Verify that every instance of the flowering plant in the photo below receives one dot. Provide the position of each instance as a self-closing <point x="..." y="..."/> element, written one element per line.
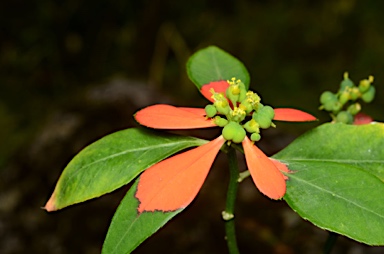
<point x="339" y="190"/>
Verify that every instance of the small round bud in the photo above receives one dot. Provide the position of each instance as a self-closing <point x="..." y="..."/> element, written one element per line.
<point x="210" y="110"/>
<point x="337" y="107"/>
<point x="255" y="137"/>
<point x="344" y="117"/>
<point x="369" y="95"/>
<point x="329" y="105"/>
<point x="327" y="97"/>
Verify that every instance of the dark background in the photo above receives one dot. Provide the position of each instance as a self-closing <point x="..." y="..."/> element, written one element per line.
<point x="74" y="71"/>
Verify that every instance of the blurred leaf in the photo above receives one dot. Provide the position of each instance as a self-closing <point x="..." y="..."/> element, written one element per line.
<point x="337" y="179"/>
<point x="112" y="162"/>
<point x="213" y="64"/>
<point x="129" y="228"/>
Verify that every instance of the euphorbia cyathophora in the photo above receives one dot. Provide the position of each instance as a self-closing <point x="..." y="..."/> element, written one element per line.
<point x="173" y="183"/>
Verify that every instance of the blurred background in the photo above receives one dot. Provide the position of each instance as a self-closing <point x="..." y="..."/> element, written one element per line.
<point x="73" y="71"/>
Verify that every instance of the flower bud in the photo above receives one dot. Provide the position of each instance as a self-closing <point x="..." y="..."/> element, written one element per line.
<point x="210" y="110"/>
<point x="327" y="97"/>
<point x="346" y="83"/>
<point x="344" y="117"/>
<point x="337" y="107"/>
<point x="255" y="137"/>
<point x="330" y="105"/>
<point x="369" y="95"/>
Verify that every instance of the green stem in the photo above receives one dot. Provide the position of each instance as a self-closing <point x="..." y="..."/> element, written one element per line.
<point x="331" y="240"/>
<point x="228" y="214"/>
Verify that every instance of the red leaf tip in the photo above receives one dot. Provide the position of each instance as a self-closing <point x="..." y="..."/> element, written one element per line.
<point x="50" y="205"/>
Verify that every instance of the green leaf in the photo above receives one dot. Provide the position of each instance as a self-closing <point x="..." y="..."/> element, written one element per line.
<point x="337" y="179"/>
<point x="129" y="229"/>
<point x="213" y="64"/>
<point x="112" y="162"/>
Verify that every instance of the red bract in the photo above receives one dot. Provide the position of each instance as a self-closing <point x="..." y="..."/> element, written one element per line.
<point x="173" y="183"/>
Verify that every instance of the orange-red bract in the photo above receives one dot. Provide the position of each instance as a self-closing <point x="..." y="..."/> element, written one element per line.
<point x="267" y="177"/>
<point x="162" y="116"/>
<point x="282" y="167"/>
<point x="292" y="115"/>
<point x="173" y="183"/>
<point x="218" y="86"/>
<point x="361" y="118"/>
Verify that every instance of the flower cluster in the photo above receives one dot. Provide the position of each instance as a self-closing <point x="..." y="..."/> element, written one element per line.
<point x="344" y="106"/>
<point x="173" y="183"/>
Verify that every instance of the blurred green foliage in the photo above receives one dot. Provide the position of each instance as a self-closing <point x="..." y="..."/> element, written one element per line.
<point x="51" y="50"/>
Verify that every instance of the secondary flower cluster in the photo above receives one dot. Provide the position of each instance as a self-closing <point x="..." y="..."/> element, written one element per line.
<point x="344" y="106"/>
<point x="173" y="183"/>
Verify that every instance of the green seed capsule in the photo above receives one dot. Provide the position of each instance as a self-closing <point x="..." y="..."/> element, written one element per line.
<point x="234" y="132"/>
<point x="239" y="136"/>
<point x="327" y="97"/>
<point x="267" y="111"/>
<point x="344" y="117"/>
<point x="210" y="110"/>
<point x="369" y="95"/>
<point x="264" y="121"/>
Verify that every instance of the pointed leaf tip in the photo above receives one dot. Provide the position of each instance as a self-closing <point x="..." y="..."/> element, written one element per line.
<point x="173" y="183"/>
<point x="162" y="116"/>
<point x="266" y="176"/>
<point x="292" y="115"/>
<point x="50" y="205"/>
